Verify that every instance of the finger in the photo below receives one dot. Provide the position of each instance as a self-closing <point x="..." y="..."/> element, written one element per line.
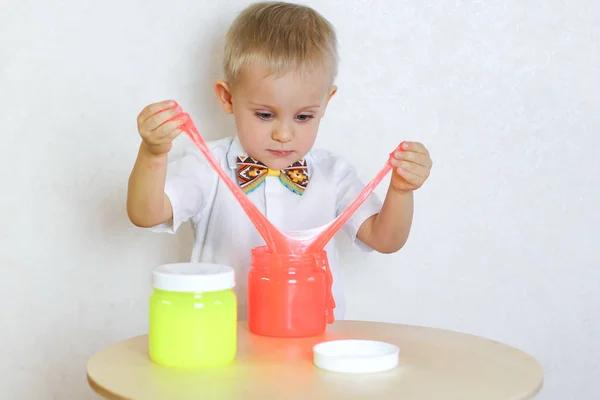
<point x="413" y="146"/>
<point x="413" y="168"/>
<point x="156" y="121"/>
<point x="410" y="176"/>
<point x="155" y="108"/>
<point x="169" y="126"/>
<point x="171" y="136"/>
<point x="414" y="157"/>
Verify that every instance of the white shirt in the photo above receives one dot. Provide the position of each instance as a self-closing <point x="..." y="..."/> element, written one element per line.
<point x="224" y="234"/>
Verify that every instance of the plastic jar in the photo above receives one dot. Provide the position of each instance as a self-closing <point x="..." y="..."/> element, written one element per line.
<point x="193" y="315"/>
<point x="289" y="295"/>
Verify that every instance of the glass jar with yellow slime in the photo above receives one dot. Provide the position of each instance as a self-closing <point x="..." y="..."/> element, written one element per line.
<point x="193" y="315"/>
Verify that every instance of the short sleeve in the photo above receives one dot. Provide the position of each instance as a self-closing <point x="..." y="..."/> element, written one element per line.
<point x="188" y="185"/>
<point x="348" y="187"/>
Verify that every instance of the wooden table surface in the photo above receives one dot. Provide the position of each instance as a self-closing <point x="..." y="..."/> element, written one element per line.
<point x="434" y="364"/>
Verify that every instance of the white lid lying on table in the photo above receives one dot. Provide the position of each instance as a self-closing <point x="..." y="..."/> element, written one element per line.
<point x="193" y="277"/>
<point x="356" y="356"/>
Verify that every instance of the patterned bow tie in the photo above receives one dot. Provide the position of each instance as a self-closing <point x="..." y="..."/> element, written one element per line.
<point x="251" y="173"/>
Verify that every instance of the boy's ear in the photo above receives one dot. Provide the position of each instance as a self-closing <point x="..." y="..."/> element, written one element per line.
<point x="331" y="93"/>
<point x="223" y="93"/>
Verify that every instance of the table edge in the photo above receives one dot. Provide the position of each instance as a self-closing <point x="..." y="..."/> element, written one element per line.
<point x="102" y="391"/>
<point x="537" y="391"/>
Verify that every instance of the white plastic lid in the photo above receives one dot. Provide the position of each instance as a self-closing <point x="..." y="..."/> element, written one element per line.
<point x="193" y="277"/>
<point x="356" y="356"/>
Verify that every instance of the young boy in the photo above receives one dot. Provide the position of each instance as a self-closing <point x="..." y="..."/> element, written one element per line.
<point x="280" y="66"/>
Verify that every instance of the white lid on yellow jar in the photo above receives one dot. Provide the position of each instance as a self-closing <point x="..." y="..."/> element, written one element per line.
<point x="193" y="277"/>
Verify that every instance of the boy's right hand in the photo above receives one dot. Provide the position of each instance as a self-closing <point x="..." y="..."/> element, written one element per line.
<point x="158" y="125"/>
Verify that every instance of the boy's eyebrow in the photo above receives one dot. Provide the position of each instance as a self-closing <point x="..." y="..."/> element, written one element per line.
<point x="273" y="107"/>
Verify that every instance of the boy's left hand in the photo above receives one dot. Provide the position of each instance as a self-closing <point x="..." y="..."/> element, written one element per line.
<point x="412" y="164"/>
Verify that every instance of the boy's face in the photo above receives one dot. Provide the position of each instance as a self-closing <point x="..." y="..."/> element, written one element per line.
<point x="277" y="118"/>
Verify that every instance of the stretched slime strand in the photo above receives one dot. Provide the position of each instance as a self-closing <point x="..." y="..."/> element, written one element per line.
<point x="275" y="240"/>
<point x="320" y="241"/>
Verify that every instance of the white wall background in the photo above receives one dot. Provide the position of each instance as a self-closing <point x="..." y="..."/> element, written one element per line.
<point x="505" y="239"/>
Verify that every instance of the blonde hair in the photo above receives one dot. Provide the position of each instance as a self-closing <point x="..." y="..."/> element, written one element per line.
<point x="283" y="37"/>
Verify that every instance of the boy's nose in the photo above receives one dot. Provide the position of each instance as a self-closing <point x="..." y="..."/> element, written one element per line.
<point x="282" y="134"/>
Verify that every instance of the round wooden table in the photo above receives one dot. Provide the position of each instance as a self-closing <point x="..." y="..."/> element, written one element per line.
<point x="434" y="364"/>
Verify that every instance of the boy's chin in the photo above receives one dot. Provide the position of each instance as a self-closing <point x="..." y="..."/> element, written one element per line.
<point x="277" y="164"/>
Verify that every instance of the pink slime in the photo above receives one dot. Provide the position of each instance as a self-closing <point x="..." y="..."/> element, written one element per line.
<point x="276" y="241"/>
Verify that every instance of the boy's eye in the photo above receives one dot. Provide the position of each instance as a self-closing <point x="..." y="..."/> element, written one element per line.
<point x="264" y="116"/>
<point x="304" y="117"/>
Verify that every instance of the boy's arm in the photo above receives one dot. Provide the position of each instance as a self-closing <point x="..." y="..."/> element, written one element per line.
<point x="388" y="231"/>
<point x="147" y="203"/>
<point x="158" y="125"/>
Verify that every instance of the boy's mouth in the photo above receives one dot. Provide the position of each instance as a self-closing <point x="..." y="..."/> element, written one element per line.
<point x="281" y="153"/>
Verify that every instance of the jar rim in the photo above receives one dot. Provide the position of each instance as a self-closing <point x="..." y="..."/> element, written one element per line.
<point x="262" y="253"/>
<point x="265" y="251"/>
<point x="193" y="277"/>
